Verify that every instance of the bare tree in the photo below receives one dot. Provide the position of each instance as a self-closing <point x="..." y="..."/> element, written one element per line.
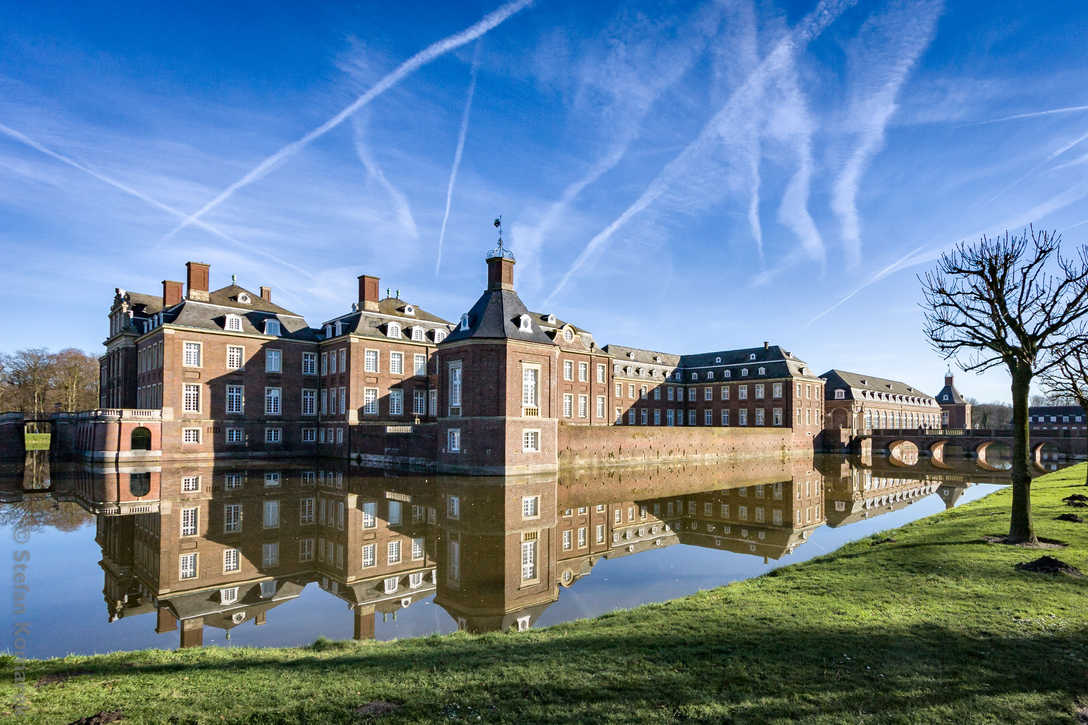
<point x="74" y="380"/>
<point x="1014" y="301"/>
<point x="1068" y="380"/>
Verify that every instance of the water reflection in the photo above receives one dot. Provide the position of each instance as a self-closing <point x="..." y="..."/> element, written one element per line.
<point x="210" y="546"/>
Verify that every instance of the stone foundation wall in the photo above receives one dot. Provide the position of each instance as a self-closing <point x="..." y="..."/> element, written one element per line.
<point x="12" y="438"/>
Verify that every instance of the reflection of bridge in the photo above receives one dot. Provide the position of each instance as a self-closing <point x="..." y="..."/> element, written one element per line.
<point x="973" y="442"/>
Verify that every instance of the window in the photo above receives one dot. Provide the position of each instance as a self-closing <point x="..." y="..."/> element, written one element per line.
<point x="583" y="372"/>
<point x="419" y="402"/>
<point x="191" y="356"/>
<point x="190" y="398"/>
<point x="619" y="390"/>
<point x="568" y="335"/>
<point x="453" y="440"/>
<point x="776" y="391"/>
<point x="528" y="560"/>
<point x="309" y="401"/>
<point x="417" y="549"/>
<point x="760" y="415"/>
<point x="530" y="507"/>
<point x="273" y="360"/>
<point x="742" y="416"/>
<point x="530" y="441"/>
<point x="742" y="392"/>
<point x="271" y="401"/>
<point x="232" y="518"/>
<point x="691" y="394"/>
<point x="392" y="553"/>
<point x="630" y="416"/>
<point x="642" y="415"/>
<point x="419" y="364"/>
<point x="600" y="406"/>
<point x="601" y="373"/>
<point x="691" y="417"/>
<point x="455" y="388"/>
<point x="234" y="399"/>
<point x="306" y="549"/>
<point x="271" y="514"/>
<point x="568" y="405"/>
<point x="306" y="510"/>
<point x="273" y="435"/>
<point x="235" y="355"/>
<point x="568" y="370"/>
<point x="776" y="416"/>
<point x="396" y="363"/>
<point x="432" y="403"/>
<point x="583" y="406"/>
<point x="600" y="533"/>
<point x="309" y="363"/>
<point x="393" y="513"/>
<point x="670" y="393"/>
<point x="369" y="559"/>
<point x="567" y="540"/>
<point x="725" y="417"/>
<point x="453" y="507"/>
<point x="530" y="390"/>
<point x="235" y="435"/>
<point x="332" y="363"/>
<point x="708" y="417"/>
<point x="189" y="521"/>
<point x="187" y="566"/>
<point x="231" y="561"/>
<point x="396" y="402"/>
<point x="270" y="556"/>
<point x="272" y="327"/>
<point x="417" y="334"/>
<point x="708" y="393"/>
<point x="370" y="401"/>
<point x="189" y="484"/>
<point x="581" y="537"/>
<point x="370" y="361"/>
<point x="840" y="395"/>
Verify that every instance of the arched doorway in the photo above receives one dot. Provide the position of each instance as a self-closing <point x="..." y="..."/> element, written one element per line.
<point x="141" y="439"/>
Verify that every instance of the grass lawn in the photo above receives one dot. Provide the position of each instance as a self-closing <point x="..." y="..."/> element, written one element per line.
<point x="37" y="441"/>
<point x="932" y="626"/>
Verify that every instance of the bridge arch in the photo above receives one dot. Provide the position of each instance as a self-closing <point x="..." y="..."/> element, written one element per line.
<point x="903" y="452"/>
<point x="936" y="452"/>
<point x="980" y="456"/>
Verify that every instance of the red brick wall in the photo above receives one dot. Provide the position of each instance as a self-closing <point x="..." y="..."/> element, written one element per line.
<point x="589" y="446"/>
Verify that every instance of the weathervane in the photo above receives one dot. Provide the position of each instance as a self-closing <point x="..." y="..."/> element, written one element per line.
<point x="498" y="225"/>
<point x="502" y="250"/>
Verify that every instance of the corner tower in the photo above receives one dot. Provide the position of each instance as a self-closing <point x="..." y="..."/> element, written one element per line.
<point x="496" y="410"/>
<point x="955" y="410"/>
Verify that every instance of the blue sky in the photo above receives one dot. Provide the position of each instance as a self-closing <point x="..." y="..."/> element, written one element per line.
<point x="679" y="176"/>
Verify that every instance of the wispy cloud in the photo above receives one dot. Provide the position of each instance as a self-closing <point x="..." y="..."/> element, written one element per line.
<point x="401" y="207"/>
<point x="417" y="61"/>
<point x="928" y="252"/>
<point x="462" y="133"/>
<point x="678" y="168"/>
<point x="883" y="54"/>
<point x="121" y="186"/>
<point x="1035" y="114"/>
<point x="617" y="81"/>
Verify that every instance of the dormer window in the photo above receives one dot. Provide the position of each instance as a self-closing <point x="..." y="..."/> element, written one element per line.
<point x="710" y="375"/>
<point x="763" y="371"/>
<point x="728" y="373"/>
<point x="744" y="371"/>
<point x="840" y="395"/>
<point x="657" y="358"/>
<point x="339" y="328"/>
<point x="409" y="310"/>
<point x="439" y="335"/>
<point x="751" y="356"/>
<point x="464" y="322"/>
<point x="328" y="331"/>
<point x="946" y="396"/>
<point x="695" y="376"/>
<point x="234" y="322"/>
<point x="718" y="359"/>
<point x="268" y="589"/>
<point x="550" y="319"/>
<point x="244" y="298"/>
<point x="272" y="327"/>
<point x="525" y="323"/>
<point x="568" y="335"/>
<point x="392" y="330"/>
<point x="418" y="334"/>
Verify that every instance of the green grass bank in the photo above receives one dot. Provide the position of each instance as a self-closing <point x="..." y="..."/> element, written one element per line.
<point x="933" y="625"/>
<point x="36" y="441"/>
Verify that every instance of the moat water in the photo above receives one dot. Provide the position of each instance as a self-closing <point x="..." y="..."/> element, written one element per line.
<point x="284" y="552"/>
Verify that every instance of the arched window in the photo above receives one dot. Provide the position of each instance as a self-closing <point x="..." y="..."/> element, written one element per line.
<point x="439" y="335"/>
<point x="392" y="330"/>
<point x="234" y="322"/>
<point x="272" y="327"/>
<point x="763" y="371"/>
<point x="464" y="322"/>
<point x="525" y="324"/>
<point x="417" y="334"/>
<point x="568" y="335"/>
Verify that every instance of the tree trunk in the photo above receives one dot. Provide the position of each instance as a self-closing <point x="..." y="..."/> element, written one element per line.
<point x="1021" y="529"/>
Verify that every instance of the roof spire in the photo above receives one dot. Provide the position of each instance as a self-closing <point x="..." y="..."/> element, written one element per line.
<point x="501" y="250"/>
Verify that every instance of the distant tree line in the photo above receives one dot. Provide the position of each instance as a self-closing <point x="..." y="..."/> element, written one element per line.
<point x="38" y="382"/>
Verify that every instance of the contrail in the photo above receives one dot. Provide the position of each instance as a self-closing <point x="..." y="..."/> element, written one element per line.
<point x="809" y="29"/>
<point x="1035" y="114"/>
<point x="400" y="203"/>
<point x="23" y="138"/>
<point x="420" y="59"/>
<point x="457" y="154"/>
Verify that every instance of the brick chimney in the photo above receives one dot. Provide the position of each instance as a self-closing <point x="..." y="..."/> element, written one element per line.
<point x="500" y="273"/>
<point x="368" y="292"/>
<point x="171" y="293"/>
<point x="266" y="293"/>
<point x="196" y="279"/>
<point x="948" y="379"/>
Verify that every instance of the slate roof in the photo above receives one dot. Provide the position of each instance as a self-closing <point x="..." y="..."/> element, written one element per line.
<point x="953" y="395"/>
<point x="1056" y="410"/>
<point x="213" y="316"/>
<point x="838" y="378"/>
<point x="495" y="317"/>
<point x="143" y="305"/>
<point x="776" y="363"/>
<point x="205" y="603"/>
<point x="375" y="324"/>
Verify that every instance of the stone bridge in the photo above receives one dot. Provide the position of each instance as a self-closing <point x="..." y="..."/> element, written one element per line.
<point x="974" y="443"/>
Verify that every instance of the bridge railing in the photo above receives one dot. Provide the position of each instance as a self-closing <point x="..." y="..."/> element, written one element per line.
<point x="123" y="413"/>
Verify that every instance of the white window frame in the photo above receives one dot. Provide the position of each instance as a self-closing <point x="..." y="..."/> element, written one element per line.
<point x="187" y="360"/>
<point x="273" y="360"/>
<point x="530" y="440"/>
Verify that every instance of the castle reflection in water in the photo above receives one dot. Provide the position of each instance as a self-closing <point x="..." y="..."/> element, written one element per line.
<point x="211" y="544"/>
